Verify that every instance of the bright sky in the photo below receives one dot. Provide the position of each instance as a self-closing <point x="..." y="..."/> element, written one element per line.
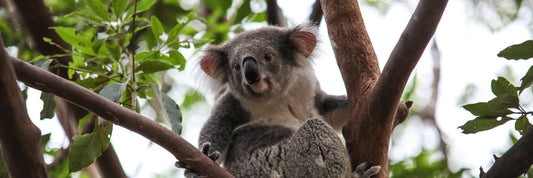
<point x="468" y="57"/>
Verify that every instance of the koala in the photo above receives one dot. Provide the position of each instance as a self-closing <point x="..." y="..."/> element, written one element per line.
<point x="272" y="119"/>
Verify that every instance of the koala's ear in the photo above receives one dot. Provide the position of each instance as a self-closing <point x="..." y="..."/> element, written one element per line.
<point x="212" y="63"/>
<point x="304" y="41"/>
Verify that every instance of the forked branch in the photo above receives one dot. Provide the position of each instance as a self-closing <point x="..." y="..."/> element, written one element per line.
<point x="374" y="97"/>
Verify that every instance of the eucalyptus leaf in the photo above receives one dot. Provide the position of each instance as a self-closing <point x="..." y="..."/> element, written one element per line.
<point x="484" y="109"/>
<point x="519" y="51"/>
<point x="68" y="34"/>
<point x="49" y="105"/>
<point x="114" y="91"/>
<point x="43" y="63"/>
<point x="155" y="65"/>
<point x="522" y="124"/>
<point x="176" y="58"/>
<point x="504" y="101"/>
<point x="173" y="113"/>
<point x="99" y="9"/>
<point x="481" y="124"/>
<point x="84" y="149"/>
<point x="527" y="80"/>
<point x="119" y="6"/>
<point x="157" y="27"/>
<point x="502" y="86"/>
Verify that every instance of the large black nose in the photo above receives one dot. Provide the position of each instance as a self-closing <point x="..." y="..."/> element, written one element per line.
<point x="251" y="72"/>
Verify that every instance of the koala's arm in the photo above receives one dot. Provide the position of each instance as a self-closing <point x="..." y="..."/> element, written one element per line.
<point x="225" y="117"/>
<point x="334" y="109"/>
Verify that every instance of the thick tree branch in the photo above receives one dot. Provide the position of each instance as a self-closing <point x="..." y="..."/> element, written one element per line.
<point x="316" y="14"/>
<point x="374" y="103"/>
<point x="181" y="149"/>
<point x="20" y="139"/>
<point x="274" y="15"/>
<point x="516" y="161"/>
<point x="37" y="20"/>
<point x="405" y="56"/>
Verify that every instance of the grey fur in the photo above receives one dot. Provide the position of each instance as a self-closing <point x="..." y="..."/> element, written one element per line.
<point x="269" y="121"/>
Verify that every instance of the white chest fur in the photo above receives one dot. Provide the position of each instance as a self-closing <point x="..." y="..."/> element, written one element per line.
<point x="290" y="109"/>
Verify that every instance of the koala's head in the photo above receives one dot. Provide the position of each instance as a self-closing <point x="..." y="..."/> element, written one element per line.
<point x="260" y="63"/>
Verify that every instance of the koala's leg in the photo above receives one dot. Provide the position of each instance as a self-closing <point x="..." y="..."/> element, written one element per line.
<point x="334" y="109"/>
<point x="315" y="150"/>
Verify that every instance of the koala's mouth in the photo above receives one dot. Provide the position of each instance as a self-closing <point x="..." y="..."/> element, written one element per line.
<point x="258" y="87"/>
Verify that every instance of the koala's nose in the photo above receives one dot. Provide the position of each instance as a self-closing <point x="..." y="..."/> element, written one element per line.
<point x="251" y="71"/>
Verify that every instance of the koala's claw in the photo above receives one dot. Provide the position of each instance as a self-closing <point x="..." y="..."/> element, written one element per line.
<point x="366" y="170"/>
<point x="206" y="150"/>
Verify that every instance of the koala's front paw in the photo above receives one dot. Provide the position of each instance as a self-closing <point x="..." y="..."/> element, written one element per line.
<point x="365" y="170"/>
<point x="208" y="151"/>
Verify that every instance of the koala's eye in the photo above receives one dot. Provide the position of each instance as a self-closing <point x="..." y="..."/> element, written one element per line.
<point x="268" y="57"/>
<point x="236" y="67"/>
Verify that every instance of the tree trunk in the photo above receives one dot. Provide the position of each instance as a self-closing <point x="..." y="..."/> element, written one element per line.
<point x="20" y="139"/>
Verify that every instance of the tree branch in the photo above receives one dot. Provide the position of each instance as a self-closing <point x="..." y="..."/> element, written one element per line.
<point x="274" y="15"/>
<point x="316" y="14"/>
<point x="181" y="149"/>
<point x="374" y="103"/>
<point x="405" y="56"/>
<point x="19" y="137"/>
<point x="516" y="161"/>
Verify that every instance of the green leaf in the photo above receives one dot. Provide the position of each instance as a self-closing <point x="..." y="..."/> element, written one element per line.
<point x="144" y="55"/>
<point x="519" y="51"/>
<point x="84" y="149"/>
<point x="68" y="34"/>
<point x="502" y="86"/>
<point x="157" y="27"/>
<point x="114" y="49"/>
<point x="114" y="91"/>
<point x="176" y="58"/>
<point x="154" y="65"/>
<point x="142" y="5"/>
<point x="191" y="97"/>
<point x="43" y="63"/>
<point x="522" y="124"/>
<point x="86" y="119"/>
<point x="49" y="105"/>
<point x="173" y="113"/>
<point x="504" y="101"/>
<point x="527" y="80"/>
<point x="119" y="6"/>
<point x="243" y="11"/>
<point x="482" y="124"/>
<point x="483" y="109"/>
<point x="44" y="140"/>
<point x="99" y="9"/>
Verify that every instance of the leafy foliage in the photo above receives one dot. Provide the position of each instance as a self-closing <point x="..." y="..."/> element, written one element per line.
<point x="423" y="165"/>
<point x="506" y="104"/>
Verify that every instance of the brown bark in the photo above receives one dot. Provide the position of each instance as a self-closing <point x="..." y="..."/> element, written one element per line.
<point x="181" y="149"/>
<point x="316" y="14"/>
<point x="516" y="161"/>
<point x="274" y="15"/>
<point x="373" y="97"/>
<point x="20" y="139"/>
